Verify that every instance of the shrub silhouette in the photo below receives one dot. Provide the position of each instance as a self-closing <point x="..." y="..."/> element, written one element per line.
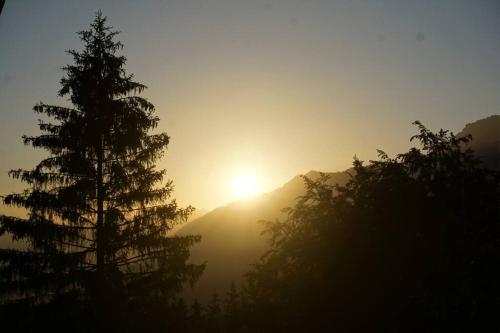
<point x="411" y="243"/>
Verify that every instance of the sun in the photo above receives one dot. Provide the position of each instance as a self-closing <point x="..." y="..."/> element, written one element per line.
<point x="245" y="185"/>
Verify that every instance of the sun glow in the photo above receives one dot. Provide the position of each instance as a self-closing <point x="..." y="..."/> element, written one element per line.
<point x="245" y="185"/>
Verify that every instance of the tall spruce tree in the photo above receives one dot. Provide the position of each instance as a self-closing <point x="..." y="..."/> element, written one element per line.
<point x="98" y="210"/>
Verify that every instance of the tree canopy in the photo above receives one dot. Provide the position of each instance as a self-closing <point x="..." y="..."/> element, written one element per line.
<point x="98" y="209"/>
<point x="410" y="243"/>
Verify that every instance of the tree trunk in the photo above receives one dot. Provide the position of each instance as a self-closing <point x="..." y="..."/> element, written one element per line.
<point x="100" y="212"/>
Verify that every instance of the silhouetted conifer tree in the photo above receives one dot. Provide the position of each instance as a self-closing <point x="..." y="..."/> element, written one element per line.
<point x="98" y="211"/>
<point x="232" y="309"/>
<point x="213" y="307"/>
<point x="214" y="315"/>
<point x="196" y="310"/>
<point x="196" y="318"/>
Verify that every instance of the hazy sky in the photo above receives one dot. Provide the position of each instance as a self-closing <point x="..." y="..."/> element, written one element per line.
<point x="274" y="87"/>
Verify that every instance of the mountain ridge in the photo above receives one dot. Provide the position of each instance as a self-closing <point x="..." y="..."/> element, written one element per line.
<point x="231" y="235"/>
<point x="485" y="139"/>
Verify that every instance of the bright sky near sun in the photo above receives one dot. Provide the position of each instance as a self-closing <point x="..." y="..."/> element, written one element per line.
<point x="245" y="184"/>
<point x="254" y="92"/>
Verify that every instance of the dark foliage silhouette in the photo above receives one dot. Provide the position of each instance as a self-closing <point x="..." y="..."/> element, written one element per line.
<point x="218" y="315"/>
<point x="411" y="243"/>
<point x="407" y="244"/>
<point x="95" y="240"/>
<point x="232" y="311"/>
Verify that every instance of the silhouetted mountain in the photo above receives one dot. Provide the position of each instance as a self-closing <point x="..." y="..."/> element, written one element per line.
<point x="485" y="139"/>
<point x="231" y="234"/>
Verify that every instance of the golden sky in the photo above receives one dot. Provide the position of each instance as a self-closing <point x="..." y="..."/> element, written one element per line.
<point x="267" y="88"/>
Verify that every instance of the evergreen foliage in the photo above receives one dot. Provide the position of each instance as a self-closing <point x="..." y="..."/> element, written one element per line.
<point x="232" y="310"/>
<point x="98" y="210"/>
<point x="409" y="244"/>
<point x="214" y="315"/>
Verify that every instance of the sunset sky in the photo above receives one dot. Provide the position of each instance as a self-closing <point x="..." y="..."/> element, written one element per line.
<point x="268" y="89"/>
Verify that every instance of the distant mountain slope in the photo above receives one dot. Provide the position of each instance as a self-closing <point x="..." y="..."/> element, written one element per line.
<point x="485" y="140"/>
<point x="231" y="235"/>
